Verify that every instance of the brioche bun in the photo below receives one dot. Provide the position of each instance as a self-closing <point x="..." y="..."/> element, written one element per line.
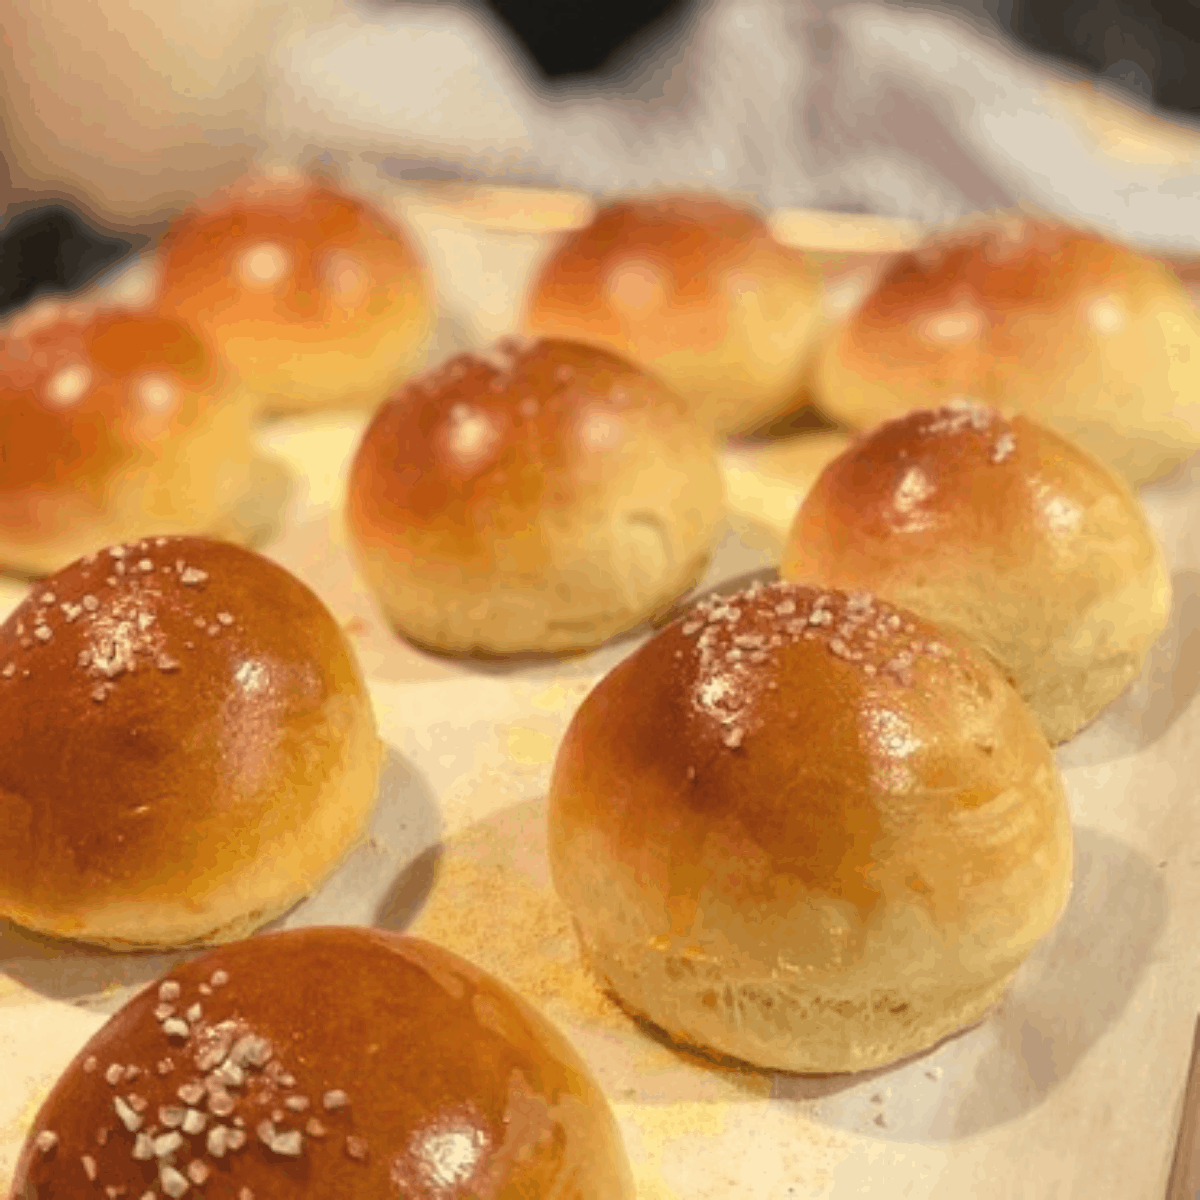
<point x="315" y="297"/>
<point x="807" y="830"/>
<point x="323" y="1063"/>
<point x="541" y="500"/>
<point x="1091" y="339"/>
<point x="1005" y="532"/>
<point x="113" y="424"/>
<point x="695" y="290"/>
<point x="188" y="749"/>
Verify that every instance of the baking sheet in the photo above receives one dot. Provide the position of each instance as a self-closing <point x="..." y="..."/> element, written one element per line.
<point x="1071" y="1088"/>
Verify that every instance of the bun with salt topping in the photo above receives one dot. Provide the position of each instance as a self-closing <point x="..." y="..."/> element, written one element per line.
<point x="326" y="1063"/>
<point x="694" y="289"/>
<point x="808" y="830"/>
<point x="112" y="425"/>
<point x="315" y="297"/>
<point x="187" y="746"/>
<point x="541" y="499"/>
<point x="1005" y="532"/>
<point x="1092" y="339"/>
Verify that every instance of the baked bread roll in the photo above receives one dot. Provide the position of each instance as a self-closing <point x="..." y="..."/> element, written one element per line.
<point x="1004" y="531"/>
<point x="1092" y="339"/>
<point x="322" y="1063"/>
<point x="112" y="425"/>
<point x="808" y="830"/>
<point x="316" y="298"/>
<point x="695" y="290"/>
<point x="189" y="747"/>
<point x="541" y="500"/>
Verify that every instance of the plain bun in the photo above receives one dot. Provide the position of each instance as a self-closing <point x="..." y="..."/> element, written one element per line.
<point x="314" y="296"/>
<point x="1091" y="339"/>
<point x="808" y="830"/>
<point x="540" y="500"/>
<point x="1001" y="530"/>
<point x="693" y="289"/>
<point x="113" y="425"/>
<point x="323" y="1063"/>
<point x="188" y="747"/>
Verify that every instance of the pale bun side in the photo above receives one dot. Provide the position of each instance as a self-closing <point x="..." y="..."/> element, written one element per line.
<point x="541" y="499"/>
<point x="188" y="746"/>
<point x="114" y="424"/>
<point x="1094" y="340"/>
<point x="321" y="1063"/>
<point x="1004" y="531"/>
<point x="807" y="830"/>
<point x="315" y="297"/>
<point x="694" y="289"/>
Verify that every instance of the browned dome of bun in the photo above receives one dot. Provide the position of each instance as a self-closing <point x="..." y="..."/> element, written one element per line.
<point x="320" y="1064"/>
<point x="541" y="499"/>
<point x="187" y="747"/>
<point x="693" y="288"/>
<point x="808" y="830"/>
<point x="315" y="297"/>
<point x="1004" y="531"/>
<point x="1090" y="338"/>
<point x="112" y="425"/>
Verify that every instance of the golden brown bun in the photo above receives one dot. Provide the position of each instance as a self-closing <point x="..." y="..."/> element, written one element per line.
<point x="371" y="1065"/>
<point x="808" y="830"/>
<point x="112" y="425"/>
<point x="316" y="298"/>
<point x="540" y="501"/>
<point x="1004" y="531"/>
<point x="188" y="747"/>
<point x="1087" y="337"/>
<point x="695" y="290"/>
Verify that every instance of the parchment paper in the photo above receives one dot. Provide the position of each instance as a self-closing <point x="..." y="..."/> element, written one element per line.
<point x="1070" y="1089"/>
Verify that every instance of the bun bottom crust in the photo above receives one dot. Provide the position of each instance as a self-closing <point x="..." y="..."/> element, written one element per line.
<point x="777" y="1024"/>
<point x="499" y="625"/>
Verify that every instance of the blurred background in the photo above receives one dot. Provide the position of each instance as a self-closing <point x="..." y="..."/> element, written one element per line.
<point x="118" y="112"/>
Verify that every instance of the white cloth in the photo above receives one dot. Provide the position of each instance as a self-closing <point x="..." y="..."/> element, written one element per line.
<point x="852" y="105"/>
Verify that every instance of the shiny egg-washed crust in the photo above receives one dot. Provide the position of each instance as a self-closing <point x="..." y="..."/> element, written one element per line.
<point x="1092" y="339"/>
<point x="113" y="425"/>
<point x="334" y="312"/>
<point x="352" y="1062"/>
<point x="187" y="746"/>
<point x="808" y="830"/>
<point x="1004" y="531"/>
<point x="541" y="499"/>
<point x="694" y="289"/>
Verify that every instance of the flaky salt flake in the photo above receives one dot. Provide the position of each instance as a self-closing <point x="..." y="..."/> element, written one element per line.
<point x="1003" y="448"/>
<point x="172" y="1182"/>
<point x="289" y="1144"/>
